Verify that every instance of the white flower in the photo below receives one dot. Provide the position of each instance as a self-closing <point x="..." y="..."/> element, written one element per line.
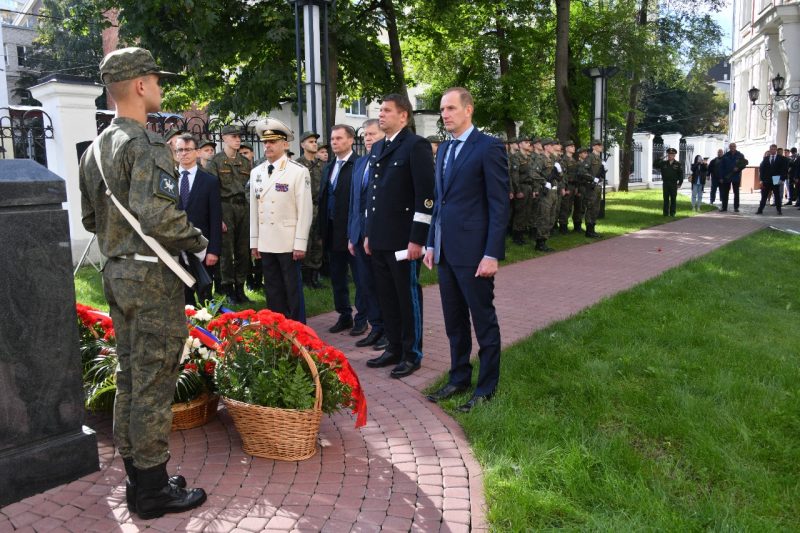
<point x="203" y="351"/>
<point x="203" y="315"/>
<point x="186" y="347"/>
<point x="189" y="307"/>
<point x="196" y="343"/>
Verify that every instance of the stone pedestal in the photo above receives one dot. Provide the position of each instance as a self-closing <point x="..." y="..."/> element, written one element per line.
<point x="43" y="442"/>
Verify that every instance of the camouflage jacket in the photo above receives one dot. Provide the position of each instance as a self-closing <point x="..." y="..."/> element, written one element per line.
<point x="590" y="168"/>
<point x="537" y="169"/>
<point x="141" y="174"/>
<point x="518" y="171"/>
<point x="315" y="171"/>
<point x="233" y="173"/>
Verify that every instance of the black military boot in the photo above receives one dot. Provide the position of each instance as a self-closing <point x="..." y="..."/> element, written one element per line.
<point x="315" y="279"/>
<point x="541" y="245"/>
<point x="230" y="293"/>
<point x="577" y="228"/>
<point x="130" y="483"/>
<point x="156" y="496"/>
<point x="590" y="232"/>
<point x="240" y="295"/>
<point x="517" y="238"/>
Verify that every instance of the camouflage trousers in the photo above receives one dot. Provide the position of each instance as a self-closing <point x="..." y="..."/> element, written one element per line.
<point x="313" y="258"/>
<point x="523" y="210"/>
<point x="570" y="205"/>
<point x="591" y="199"/>
<point x="146" y="304"/>
<point x="546" y="213"/>
<point x="234" y="264"/>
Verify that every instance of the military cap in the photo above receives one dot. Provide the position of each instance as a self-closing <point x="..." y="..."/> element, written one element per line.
<point x="547" y="141"/>
<point x="205" y="142"/>
<point x="172" y="133"/>
<point x="672" y="151"/>
<point x="569" y="143"/>
<point x="595" y="142"/>
<point x="272" y="129"/>
<point x="129" y="63"/>
<point x="245" y="145"/>
<point x="307" y="134"/>
<point x="536" y="140"/>
<point x="523" y="137"/>
<point x="433" y="139"/>
<point x="582" y="150"/>
<point x="231" y="129"/>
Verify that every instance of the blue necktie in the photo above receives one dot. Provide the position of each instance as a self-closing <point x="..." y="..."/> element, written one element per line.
<point x="184" y="191"/>
<point x="365" y="177"/>
<point x="451" y="157"/>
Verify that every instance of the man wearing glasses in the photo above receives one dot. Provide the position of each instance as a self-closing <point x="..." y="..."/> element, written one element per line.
<point x="280" y="219"/>
<point x="199" y="196"/>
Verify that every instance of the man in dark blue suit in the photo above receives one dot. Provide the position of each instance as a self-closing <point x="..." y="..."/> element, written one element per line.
<point x="466" y="240"/>
<point x="356" y="230"/>
<point x="399" y="207"/>
<point x="200" y="198"/>
<point x="332" y="225"/>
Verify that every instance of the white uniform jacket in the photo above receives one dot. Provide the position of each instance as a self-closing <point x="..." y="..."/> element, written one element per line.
<point x="280" y="207"/>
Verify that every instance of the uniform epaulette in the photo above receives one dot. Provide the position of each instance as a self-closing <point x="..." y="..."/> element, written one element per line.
<point x="296" y="163"/>
<point x="155" y="138"/>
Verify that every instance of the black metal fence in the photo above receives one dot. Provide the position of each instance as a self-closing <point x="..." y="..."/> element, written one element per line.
<point x="638" y="165"/>
<point x="686" y="155"/>
<point x="658" y="153"/>
<point x="23" y="134"/>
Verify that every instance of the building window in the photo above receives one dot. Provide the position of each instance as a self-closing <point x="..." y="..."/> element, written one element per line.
<point x="357" y="108"/>
<point x="22" y="58"/>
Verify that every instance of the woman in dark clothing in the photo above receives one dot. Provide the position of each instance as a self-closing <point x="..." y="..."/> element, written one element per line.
<point x="698" y="180"/>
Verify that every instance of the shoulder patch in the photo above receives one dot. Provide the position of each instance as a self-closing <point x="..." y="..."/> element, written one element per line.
<point x="167" y="187"/>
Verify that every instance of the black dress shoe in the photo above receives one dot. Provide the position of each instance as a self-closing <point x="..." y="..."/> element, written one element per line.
<point x="475" y="400"/>
<point x="369" y="340"/>
<point x="358" y="330"/>
<point x="405" y="368"/>
<point x="446" y="392"/>
<point x="382" y="343"/>
<point x="342" y="324"/>
<point x="385" y="359"/>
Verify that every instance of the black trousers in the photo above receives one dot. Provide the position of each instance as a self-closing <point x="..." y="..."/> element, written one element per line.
<point x="463" y="295"/>
<point x="766" y="189"/>
<point x="338" y="263"/>
<point x="282" y="285"/>
<point x="724" y="194"/>
<point x="199" y="297"/>
<point x="400" y="300"/>
<point x="670" y="193"/>
<point x="714" y="187"/>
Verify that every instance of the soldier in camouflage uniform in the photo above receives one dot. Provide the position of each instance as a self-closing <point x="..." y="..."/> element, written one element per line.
<point x="233" y="171"/>
<point x="570" y="203"/>
<point x="312" y="263"/>
<point x="144" y="296"/>
<point x="521" y="191"/>
<point x="547" y="179"/>
<point x="591" y="176"/>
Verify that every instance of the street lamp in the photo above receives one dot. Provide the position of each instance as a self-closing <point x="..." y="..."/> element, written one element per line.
<point x="600" y="77"/>
<point x="792" y="99"/>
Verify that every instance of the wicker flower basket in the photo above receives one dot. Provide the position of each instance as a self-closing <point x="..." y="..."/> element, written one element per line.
<point x="195" y="413"/>
<point x="274" y="433"/>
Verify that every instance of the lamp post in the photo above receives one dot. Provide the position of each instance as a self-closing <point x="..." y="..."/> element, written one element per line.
<point x="599" y="76"/>
<point x="792" y="99"/>
<point x="315" y="59"/>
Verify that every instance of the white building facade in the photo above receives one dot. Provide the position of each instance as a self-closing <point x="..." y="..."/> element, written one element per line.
<point x="766" y="43"/>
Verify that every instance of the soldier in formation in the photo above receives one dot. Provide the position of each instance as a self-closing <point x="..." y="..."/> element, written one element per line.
<point x="312" y="263"/>
<point x="521" y="191"/>
<point x="591" y="175"/>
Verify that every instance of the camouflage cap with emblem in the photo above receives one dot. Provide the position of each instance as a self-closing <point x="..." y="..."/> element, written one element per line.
<point x="307" y="134"/>
<point x="172" y="133"/>
<point x="206" y="142"/>
<point x="546" y="141"/>
<point x="231" y="129"/>
<point x="672" y="151"/>
<point x="433" y="139"/>
<point x="129" y="63"/>
<point x="569" y="143"/>
<point x="246" y="146"/>
<point x="272" y="129"/>
<point x="596" y="142"/>
<point x="582" y="150"/>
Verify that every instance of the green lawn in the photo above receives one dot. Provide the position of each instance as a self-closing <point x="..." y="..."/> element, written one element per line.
<point x="674" y="406"/>
<point x="625" y="213"/>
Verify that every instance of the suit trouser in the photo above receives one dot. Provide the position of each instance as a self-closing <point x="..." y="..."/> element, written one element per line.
<point x="365" y="284"/>
<point x="766" y="189"/>
<point x="724" y="194"/>
<point x="400" y="299"/>
<point x="145" y="302"/>
<point x="338" y="263"/>
<point x="713" y="193"/>
<point x="234" y="262"/>
<point x="463" y="295"/>
<point x="283" y="285"/>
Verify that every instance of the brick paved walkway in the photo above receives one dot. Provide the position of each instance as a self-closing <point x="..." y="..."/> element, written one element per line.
<point x="410" y="468"/>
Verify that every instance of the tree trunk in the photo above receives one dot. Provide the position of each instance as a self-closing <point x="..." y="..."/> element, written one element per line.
<point x="573" y="74"/>
<point x="333" y="74"/>
<point x="395" y="52"/>
<point x="562" y="68"/>
<point x="508" y="122"/>
<point x="630" y="123"/>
